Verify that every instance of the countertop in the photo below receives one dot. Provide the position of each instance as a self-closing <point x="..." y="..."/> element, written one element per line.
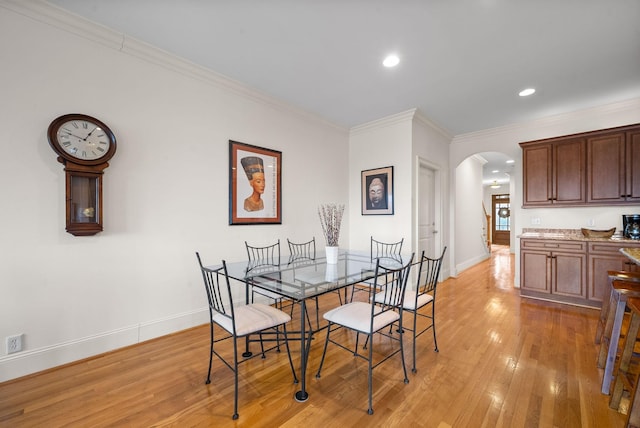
<point x="570" y="235"/>
<point x="632" y="253"/>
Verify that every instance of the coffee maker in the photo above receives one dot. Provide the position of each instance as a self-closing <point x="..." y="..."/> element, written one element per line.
<point x="631" y="226"/>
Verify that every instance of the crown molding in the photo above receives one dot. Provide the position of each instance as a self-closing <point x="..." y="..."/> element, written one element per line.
<point x="545" y="126"/>
<point x="44" y="12"/>
<point x="384" y="122"/>
<point x="49" y="14"/>
<point x="420" y="117"/>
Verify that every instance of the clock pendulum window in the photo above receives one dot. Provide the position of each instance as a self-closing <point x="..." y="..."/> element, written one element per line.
<point x="84" y="146"/>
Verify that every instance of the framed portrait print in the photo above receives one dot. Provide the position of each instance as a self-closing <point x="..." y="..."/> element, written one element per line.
<point x="255" y="184"/>
<point x="377" y="191"/>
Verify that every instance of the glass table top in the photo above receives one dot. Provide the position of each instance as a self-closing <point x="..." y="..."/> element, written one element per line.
<point x="302" y="278"/>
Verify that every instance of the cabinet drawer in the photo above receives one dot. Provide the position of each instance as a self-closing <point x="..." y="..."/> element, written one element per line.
<point x="610" y="247"/>
<point x="538" y="244"/>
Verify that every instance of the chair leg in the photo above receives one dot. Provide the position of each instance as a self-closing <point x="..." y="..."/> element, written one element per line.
<point x="415" y="325"/>
<point x="262" y="344"/>
<point x="286" y="344"/>
<point x="370" y="409"/>
<point x="404" y="366"/>
<point x="235" y="373"/>
<point x="324" y="352"/>
<point x="208" y="381"/>
<point x="433" y="325"/>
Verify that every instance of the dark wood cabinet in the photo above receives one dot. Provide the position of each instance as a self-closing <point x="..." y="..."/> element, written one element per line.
<point x="613" y="162"/>
<point x="632" y="164"/>
<point x="595" y="168"/>
<point x="605" y="159"/>
<point x="554" y="270"/>
<point x="570" y="271"/>
<point x="554" y="173"/>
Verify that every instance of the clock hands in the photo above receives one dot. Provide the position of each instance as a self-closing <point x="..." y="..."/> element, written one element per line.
<point x="78" y="137"/>
<point x="89" y="134"/>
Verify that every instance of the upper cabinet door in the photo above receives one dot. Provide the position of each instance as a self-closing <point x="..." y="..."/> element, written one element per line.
<point x="605" y="160"/>
<point x="554" y="173"/>
<point x="569" y="166"/>
<point x="537" y="169"/>
<point x="633" y="166"/>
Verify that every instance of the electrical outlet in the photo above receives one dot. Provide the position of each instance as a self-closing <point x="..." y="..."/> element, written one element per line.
<point x="535" y="220"/>
<point x="591" y="222"/>
<point x="14" y="344"/>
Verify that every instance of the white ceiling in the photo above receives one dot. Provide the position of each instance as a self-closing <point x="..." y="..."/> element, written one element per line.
<point x="462" y="61"/>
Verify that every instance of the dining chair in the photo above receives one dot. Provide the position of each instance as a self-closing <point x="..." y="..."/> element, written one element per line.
<point x="260" y="257"/>
<point x="423" y="295"/>
<point x="300" y="252"/>
<point x="239" y="322"/>
<point x="370" y="317"/>
<point x="379" y="249"/>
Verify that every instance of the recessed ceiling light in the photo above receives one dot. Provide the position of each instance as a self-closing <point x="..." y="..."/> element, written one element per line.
<point x="527" y="92"/>
<point x="510" y="161"/>
<point x="494" y="171"/>
<point x="391" y="61"/>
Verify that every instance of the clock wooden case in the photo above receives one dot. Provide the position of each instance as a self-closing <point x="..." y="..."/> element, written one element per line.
<point x="84" y="146"/>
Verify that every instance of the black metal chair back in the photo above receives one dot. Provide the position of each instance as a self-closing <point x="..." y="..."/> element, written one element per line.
<point x="429" y="274"/>
<point x="261" y="256"/>
<point x="302" y="251"/>
<point x="216" y="282"/>
<point x="391" y="279"/>
<point x="385" y="249"/>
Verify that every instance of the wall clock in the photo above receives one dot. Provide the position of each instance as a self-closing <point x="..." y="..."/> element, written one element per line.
<point x="84" y="146"/>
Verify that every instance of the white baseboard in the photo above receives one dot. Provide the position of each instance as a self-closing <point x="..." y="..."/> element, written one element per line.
<point x="28" y="362"/>
<point x="472" y="262"/>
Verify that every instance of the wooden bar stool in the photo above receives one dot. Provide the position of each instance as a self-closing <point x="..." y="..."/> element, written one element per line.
<point x="628" y="367"/>
<point x="621" y="291"/>
<point x="613" y="275"/>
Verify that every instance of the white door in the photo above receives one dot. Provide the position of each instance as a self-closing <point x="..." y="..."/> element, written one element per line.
<point x="428" y="209"/>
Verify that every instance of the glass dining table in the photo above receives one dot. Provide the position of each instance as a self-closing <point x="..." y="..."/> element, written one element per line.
<point x="302" y="279"/>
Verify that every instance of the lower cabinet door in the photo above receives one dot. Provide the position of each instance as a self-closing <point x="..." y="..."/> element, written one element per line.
<point x="569" y="274"/>
<point x="535" y="270"/>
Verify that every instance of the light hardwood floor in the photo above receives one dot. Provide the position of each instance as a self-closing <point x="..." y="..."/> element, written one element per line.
<point x="504" y="361"/>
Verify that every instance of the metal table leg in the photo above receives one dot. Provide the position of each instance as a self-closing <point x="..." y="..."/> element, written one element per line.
<point x="302" y="395"/>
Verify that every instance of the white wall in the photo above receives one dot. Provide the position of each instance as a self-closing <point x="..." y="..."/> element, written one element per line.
<point x="505" y="139"/>
<point x="431" y="147"/>
<point x="165" y="191"/>
<point x="470" y="246"/>
<point x="386" y="142"/>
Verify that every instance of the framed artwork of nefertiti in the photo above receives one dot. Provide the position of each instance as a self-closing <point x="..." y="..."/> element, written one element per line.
<point x="255" y="184"/>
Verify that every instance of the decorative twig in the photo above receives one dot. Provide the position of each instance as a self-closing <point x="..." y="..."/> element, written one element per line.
<point x="330" y="219"/>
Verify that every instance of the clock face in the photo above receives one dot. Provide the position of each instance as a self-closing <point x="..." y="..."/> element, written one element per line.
<point x="80" y="138"/>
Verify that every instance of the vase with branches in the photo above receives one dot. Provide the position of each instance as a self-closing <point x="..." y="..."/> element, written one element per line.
<point x="331" y="219"/>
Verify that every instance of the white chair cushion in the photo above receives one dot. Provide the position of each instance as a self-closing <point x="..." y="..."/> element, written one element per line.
<point x="357" y="316"/>
<point x="410" y="300"/>
<point x="252" y="318"/>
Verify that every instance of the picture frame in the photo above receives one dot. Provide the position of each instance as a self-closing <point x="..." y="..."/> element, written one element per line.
<point x="259" y="201"/>
<point x="378" y="182"/>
